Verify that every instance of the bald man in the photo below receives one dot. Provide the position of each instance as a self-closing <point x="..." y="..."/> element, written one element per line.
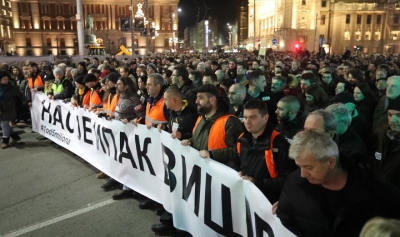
<point x="289" y="123"/>
<point x="181" y="122"/>
<point x="238" y="97"/>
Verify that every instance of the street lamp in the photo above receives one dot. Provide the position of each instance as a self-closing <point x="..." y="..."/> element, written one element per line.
<point x="230" y="36"/>
<point x="173" y="32"/>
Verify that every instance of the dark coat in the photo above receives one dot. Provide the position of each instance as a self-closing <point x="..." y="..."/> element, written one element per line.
<point x="187" y="91"/>
<point x="8" y="102"/>
<point x="185" y="118"/>
<point x="366" y="110"/>
<point x="291" y="128"/>
<point x="310" y="210"/>
<point x="387" y="165"/>
<point x="252" y="161"/>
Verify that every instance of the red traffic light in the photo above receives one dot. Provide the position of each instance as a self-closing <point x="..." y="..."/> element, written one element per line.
<point x="355" y="46"/>
<point x="296" y="46"/>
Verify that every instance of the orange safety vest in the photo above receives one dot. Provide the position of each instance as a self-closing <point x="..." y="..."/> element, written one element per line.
<point x="35" y="83"/>
<point x="86" y="99"/>
<point x="155" y="114"/>
<point x="112" y="105"/>
<point x="269" y="156"/>
<point x="92" y="99"/>
<point x="216" y="137"/>
<point x="109" y="107"/>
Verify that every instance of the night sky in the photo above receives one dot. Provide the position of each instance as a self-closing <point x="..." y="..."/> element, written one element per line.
<point x="224" y="10"/>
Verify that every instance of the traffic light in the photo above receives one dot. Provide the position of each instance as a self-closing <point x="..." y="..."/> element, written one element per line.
<point x="296" y="46"/>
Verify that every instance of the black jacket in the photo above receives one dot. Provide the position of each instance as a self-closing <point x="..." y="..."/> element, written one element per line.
<point x="10" y="95"/>
<point x="185" y="118"/>
<point x="310" y="210"/>
<point x="290" y="128"/>
<point x="252" y="161"/>
<point x="239" y="111"/>
<point x="187" y="91"/>
<point x="387" y="163"/>
<point x="366" y="110"/>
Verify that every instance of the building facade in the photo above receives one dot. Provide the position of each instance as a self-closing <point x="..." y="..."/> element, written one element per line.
<point x="43" y="27"/>
<point x="328" y="25"/>
<point x="204" y="36"/>
<point x="7" y="45"/>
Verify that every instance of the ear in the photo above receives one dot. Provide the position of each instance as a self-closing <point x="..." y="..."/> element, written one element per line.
<point x="266" y="117"/>
<point x="332" y="162"/>
<point x="332" y="134"/>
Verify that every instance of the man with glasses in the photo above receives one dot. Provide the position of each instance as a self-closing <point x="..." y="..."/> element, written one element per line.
<point x="238" y="97"/>
<point x="180" y="78"/>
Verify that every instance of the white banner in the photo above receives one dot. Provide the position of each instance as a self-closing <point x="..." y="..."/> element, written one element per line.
<point x="205" y="197"/>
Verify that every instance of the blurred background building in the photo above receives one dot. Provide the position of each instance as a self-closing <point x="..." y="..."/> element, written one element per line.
<point x="46" y="27"/>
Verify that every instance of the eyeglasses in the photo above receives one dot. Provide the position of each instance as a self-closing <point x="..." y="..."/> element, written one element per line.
<point x="233" y="93"/>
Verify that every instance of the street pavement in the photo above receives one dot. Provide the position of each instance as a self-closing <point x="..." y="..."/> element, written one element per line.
<point x="47" y="191"/>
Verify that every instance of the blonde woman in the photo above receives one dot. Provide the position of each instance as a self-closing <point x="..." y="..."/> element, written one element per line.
<point x="380" y="227"/>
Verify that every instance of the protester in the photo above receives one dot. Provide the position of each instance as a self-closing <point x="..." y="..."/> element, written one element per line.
<point x="8" y="109"/>
<point x="263" y="152"/>
<point x="289" y="117"/>
<point x="216" y="131"/>
<point x="321" y="192"/>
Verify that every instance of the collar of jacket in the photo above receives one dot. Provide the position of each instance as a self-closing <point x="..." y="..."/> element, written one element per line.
<point x="264" y="137"/>
<point x="179" y="112"/>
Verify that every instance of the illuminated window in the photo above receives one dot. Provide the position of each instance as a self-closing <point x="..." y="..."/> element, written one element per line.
<point x="346" y="35"/>
<point x="377" y="36"/>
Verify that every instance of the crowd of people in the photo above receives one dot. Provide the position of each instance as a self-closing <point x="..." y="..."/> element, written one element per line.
<point x="320" y="137"/>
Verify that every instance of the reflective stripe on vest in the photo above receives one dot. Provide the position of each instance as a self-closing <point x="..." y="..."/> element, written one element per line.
<point x="216" y="136"/>
<point x="269" y="156"/>
<point x="38" y="82"/>
<point x="155" y="114"/>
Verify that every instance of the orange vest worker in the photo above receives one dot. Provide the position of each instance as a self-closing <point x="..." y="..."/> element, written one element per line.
<point x="216" y="137"/>
<point x="155" y="114"/>
<point x="269" y="157"/>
